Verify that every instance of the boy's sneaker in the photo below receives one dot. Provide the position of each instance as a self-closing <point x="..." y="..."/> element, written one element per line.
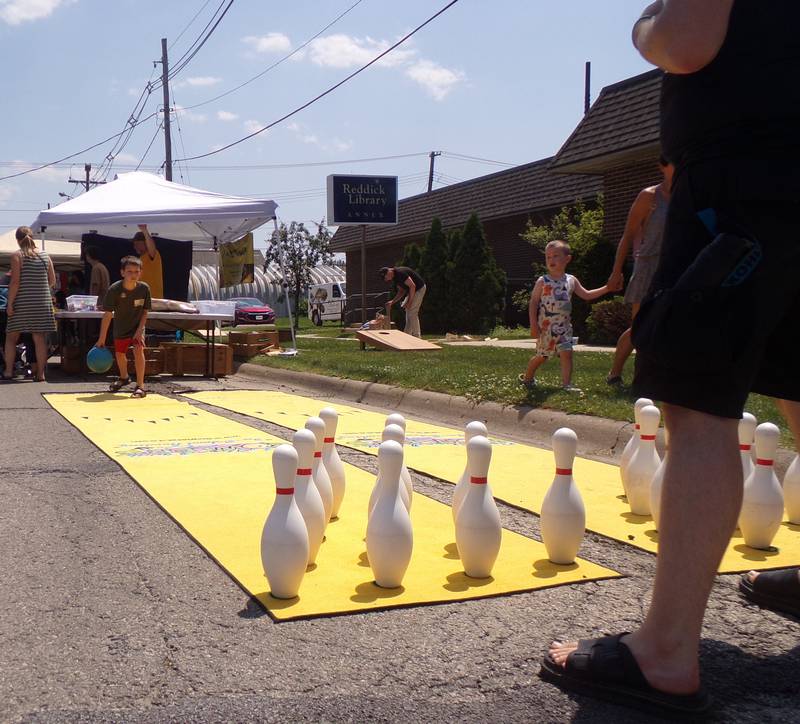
<point x="528" y="384"/>
<point x="614" y="380"/>
<point x="571" y="388"/>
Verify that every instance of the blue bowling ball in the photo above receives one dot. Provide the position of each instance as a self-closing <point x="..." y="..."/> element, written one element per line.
<point x="99" y="359"/>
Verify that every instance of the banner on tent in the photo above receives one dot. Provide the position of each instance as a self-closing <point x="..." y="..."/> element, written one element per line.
<point x="236" y="262"/>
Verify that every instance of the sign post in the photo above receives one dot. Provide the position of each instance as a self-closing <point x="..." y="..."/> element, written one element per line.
<point x="362" y="201"/>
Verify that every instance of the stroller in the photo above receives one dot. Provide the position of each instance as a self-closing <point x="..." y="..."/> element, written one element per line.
<point x="25" y="354"/>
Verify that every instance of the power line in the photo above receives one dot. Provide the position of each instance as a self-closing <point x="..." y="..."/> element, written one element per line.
<point x="159" y="126"/>
<point x="330" y="90"/>
<point x="77" y="153"/>
<point x="477" y="159"/>
<point x="189" y="24"/>
<point x="277" y="62"/>
<point x="181" y="64"/>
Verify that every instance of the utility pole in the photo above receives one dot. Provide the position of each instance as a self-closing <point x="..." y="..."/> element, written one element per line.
<point x="433" y="155"/>
<point x="165" y="86"/>
<point x="86" y="183"/>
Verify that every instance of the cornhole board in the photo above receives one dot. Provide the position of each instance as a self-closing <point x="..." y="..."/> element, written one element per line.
<point x="394" y="340"/>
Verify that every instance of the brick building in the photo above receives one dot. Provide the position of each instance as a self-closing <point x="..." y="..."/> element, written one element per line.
<point x="614" y="150"/>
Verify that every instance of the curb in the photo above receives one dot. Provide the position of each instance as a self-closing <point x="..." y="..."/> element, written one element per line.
<point x="598" y="437"/>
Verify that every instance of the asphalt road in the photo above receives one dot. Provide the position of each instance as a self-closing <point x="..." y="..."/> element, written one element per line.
<point x="111" y="613"/>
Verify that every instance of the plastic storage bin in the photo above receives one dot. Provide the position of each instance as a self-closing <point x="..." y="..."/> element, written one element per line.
<point x="215" y="306"/>
<point x="81" y="302"/>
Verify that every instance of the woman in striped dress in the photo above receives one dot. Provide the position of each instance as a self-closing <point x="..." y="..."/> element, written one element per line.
<point x="30" y="305"/>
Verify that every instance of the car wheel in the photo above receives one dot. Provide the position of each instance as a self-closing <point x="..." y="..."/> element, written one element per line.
<point x="316" y="318"/>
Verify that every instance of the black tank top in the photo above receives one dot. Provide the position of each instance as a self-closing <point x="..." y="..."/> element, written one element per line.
<point x="745" y="104"/>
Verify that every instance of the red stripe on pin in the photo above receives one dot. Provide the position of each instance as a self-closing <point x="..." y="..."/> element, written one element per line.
<point x="318" y="454"/>
<point x="744" y="447"/>
<point x="563" y="471"/>
<point x="304" y="471"/>
<point x="327" y="439"/>
<point x="636" y="426"/>
<point x="763" y="461"/>
<point x="477" y="481"/>
<point x="284" y="491"/>
<point x="648" y="437"/>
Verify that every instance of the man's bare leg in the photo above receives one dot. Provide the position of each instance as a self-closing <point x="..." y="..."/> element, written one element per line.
<point x="139" y="364"/>
<point x="700" y="502"/>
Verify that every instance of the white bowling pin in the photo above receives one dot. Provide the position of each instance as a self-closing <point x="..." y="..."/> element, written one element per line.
<point x="791" y="491"/>
<point x="633" y="443"/>
<point x="390" y="538"/>
<point x="747" y="428"/>
<point x="478" y="526"/>
<point x="318" y="471"/>
<point x="563" y="518"/>
<point x="471" y="430"/>
<point x="396" y="433"/>
<point x="395" y="419"/>
<point x="762" y="505"/>
<point x="658" y="483"/>
<point x="306" y="494"/>
<point x="644" y="463"/>
<point x="330" y="458"/>
<point x="284" y="540"/>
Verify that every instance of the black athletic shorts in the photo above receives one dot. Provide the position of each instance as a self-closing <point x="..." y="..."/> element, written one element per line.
<point x="723" y="313"/>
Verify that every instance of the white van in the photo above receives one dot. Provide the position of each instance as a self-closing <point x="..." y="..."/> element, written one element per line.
<point x="326" y="301"/>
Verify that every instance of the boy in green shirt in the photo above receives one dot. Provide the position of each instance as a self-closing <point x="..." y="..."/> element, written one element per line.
<point x="127" y="302"/>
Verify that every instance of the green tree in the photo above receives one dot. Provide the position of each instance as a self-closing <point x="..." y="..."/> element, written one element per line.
<point x="302" y="251"/>
<point x="592" y="256"/>
<point x="433" y="269"/>
<point x="476" y="285"/>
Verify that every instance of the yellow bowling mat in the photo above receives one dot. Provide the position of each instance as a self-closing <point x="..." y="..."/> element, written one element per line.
<point x="214" y="477"/>
<point x="520" y="474"/>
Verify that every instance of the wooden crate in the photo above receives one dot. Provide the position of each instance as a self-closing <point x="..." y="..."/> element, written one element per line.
<point x="246" y="351"/>
<point x="71" y="362"/>
<point x="190" y="359"/>
<point x="253" y="339"/>
<point x="153" y="358"/>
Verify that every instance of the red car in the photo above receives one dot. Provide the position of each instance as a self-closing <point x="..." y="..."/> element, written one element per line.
<point x="250" y="310"/>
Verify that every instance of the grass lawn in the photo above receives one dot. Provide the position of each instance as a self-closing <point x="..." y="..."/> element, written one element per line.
<point x="484" y="373"/>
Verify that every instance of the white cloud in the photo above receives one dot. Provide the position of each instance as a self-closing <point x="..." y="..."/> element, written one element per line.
<point x="252" y="126"/>
<point x="190" y="115"/>
<point x="269" y="43"/>
<point x="203" y="80"/>
<point x="312" y="139"/>
<point x="49" y="174"/>
<point x="345" y="51"/>
<point x="226" y="116"/>
<point x="127" y="158"/>
<point x="16" y="12"/>
<point x="437" y="80"/>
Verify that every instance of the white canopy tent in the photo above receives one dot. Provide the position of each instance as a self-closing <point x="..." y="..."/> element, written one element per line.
<point x="170" y="210"/>
<point x="65" y="255"/>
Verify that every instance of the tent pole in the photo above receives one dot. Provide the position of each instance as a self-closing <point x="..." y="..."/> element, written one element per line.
<point x="284" y="282"/>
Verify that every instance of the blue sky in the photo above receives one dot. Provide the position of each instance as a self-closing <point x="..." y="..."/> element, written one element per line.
<point x="500" y="81"/>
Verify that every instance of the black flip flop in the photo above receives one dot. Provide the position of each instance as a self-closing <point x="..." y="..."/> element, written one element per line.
<point x="605" y="668"/>
<point x="777" y="590"/>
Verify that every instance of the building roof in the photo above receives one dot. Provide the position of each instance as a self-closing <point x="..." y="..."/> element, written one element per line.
<point x="621" y="125"/>
<point x="525" y="189"/>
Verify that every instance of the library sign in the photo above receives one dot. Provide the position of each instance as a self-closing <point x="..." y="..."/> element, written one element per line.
<point x="362" y="200"/>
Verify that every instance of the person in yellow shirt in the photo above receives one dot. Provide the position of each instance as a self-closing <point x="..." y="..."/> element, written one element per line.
<point x="152" y="273"/>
